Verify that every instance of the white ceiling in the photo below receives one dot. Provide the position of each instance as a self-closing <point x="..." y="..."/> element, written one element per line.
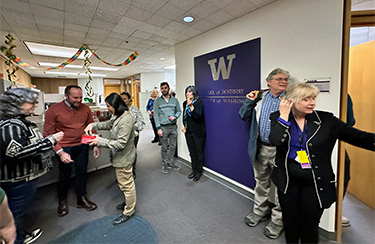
<point x="115" y="28"/>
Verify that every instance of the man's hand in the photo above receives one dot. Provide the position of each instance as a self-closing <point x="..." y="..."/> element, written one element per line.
<point x="252" y="95"/>
<point x="160" y="132"/>
<point x="96" y="151"/>
<point x="171" y="118"/>
<point x="65" y="157"/>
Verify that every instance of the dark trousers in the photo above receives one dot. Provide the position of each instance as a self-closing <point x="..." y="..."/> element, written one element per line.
<point x="196" y="150"/>
<point x="77" y="169"/>
<point x="301" y="212"/>
<point x="346" y="172"/>
<point x="20" y="194"/>
<point x="154" y="128"/>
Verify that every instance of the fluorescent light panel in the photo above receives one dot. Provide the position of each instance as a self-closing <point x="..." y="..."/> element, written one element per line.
<point x="69" y="73"/>
<point x="52" y="50"/>
<point x="73" y="66"/>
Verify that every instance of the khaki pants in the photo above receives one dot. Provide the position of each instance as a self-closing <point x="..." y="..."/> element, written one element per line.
<point x="126" y="184"/>
<point x="265" y="189"/>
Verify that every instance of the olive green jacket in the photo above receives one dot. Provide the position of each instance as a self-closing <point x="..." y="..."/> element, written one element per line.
<point x="121" y="143"/>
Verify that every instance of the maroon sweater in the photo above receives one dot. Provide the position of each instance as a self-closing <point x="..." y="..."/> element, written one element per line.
<point x="60" y="117"/>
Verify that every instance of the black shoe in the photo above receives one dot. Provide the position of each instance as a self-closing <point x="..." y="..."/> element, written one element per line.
<point x="121" y="219"/>
<point x="155" y="140"/>
<point x="159" y="144"/>
<point x="63" y="208"/>
<point x="83" y="202"/>
<point x="191" y="176"/>
<point x="197" y="176"/>
<point x="121" y="206"/>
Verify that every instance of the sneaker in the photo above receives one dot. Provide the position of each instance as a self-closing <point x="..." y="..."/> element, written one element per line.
<point x="169" y="166"/>
<point x="31" y="237"/>
<point x="175" y="167"/>
<point x="345" y="222"/>
<point x="272" y="230"/>
<point x="254" y="219"/>
<point x="164" y="169"/>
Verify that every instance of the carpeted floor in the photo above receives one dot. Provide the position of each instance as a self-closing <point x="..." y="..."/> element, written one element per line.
<point x="135" y="230"/>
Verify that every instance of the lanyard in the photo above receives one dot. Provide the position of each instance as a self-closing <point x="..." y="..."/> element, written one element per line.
<point x="301" y="136"/>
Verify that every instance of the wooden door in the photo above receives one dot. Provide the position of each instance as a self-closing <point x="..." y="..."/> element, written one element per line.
<point x="361" y="88"/>
<point x="108" y="89"/>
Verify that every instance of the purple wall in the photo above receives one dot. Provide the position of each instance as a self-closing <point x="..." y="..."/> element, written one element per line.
<point x="223" y="78"/>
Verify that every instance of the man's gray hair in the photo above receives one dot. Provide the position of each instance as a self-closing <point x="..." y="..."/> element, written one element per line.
<point x="276" y="72"/>
<point x="11" y="101"/>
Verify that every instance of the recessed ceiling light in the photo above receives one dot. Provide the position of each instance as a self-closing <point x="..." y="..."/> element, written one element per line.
<point x="162" y="59"/>
<point x="73" y="66"/>
<point x="170" y="67"/>
<point x="52" y="50"/>
<point x="188" y="19"/>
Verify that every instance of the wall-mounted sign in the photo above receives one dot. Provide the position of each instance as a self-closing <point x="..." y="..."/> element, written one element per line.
<point x="223" y="78"/>
<point x="321" y="83"/>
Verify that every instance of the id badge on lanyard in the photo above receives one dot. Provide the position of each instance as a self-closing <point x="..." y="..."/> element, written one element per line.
<point x="303" y="159"/>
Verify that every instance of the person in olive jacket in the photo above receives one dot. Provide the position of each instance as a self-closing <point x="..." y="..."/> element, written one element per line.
<point x="122" y="149"/>
<point x="303" y="173"/>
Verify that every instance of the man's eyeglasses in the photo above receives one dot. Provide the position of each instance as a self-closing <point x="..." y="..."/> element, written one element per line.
<point x="280" y="79"/>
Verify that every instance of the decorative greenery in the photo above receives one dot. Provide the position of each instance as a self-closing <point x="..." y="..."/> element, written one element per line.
<point x="88" y="87"/>
<point x="10" y="57"/>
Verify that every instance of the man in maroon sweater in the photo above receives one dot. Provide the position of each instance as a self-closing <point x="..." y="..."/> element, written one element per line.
<point x="71" y="117"/>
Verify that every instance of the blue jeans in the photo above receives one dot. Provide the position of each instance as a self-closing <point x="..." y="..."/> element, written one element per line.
<point x="20" y="194"/>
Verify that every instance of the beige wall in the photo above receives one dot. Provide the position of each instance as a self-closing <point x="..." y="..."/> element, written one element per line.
<point x="22" y="77"/>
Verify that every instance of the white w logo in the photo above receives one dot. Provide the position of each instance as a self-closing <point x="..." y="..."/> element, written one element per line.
<point x="221" y="67"/>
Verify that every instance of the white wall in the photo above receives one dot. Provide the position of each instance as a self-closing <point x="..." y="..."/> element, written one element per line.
<point x="151" y="80"/>
<point x="97" y="86"/>
<point x="303" y="37"/>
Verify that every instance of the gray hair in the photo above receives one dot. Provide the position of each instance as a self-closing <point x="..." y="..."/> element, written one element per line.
<point x="12" y="100"/>
<point x="193" y="90"/>
<point x="276" y="72"/>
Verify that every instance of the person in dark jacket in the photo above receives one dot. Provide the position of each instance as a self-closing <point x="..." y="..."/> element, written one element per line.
<point x="303" y="173"/>
<point x="195" y="131"/>
<point x="25" y="154"/>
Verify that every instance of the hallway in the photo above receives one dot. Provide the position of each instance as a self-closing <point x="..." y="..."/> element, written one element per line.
<point x="180" y="210"/>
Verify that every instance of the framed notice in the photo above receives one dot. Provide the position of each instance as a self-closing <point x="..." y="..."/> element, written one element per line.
<point x="323" y="84"/>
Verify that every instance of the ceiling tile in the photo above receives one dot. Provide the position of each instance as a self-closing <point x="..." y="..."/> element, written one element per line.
<point x="184" y="4"/>
<point x="55" y="4"/>
<point x="112" y="42"/>
<point x="92" y="3"/>
<point x="131" y="23"/>
<point x="138" y="14"/>
<point x="99" y="24"/>
<point x="18" y="5"/>
<point x="204" y="9"/>
<point x="114" y="6"/>
<point x="141" y="34"/>
<point x="220" y="17"/>
<point x="149" y="5"/>
<point x="203" y="25"/>
<point x="79" y="9"/>
<point x="156" y="38"/>
<point x="71" y="33"/>
<point x="240" y="7"/>
<point x="75" y="27"/>
<point x="122" y="30"/>
<point x="222" y="3"/>
<point x="48" y="21"/>
<point x="261" y="3"/>
<point x="170" y="11"/>
<point x="158" y="20"/>
<point x="77" y="19"/>
<point x="174" y="26"/>
<point x="107" y="16"/>
<point x="46" y="12"/>
<point x="98" y="33"/>
<point x="189" y="31"/>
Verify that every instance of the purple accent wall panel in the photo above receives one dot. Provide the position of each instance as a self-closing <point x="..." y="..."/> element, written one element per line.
<point x="223" y="78"/>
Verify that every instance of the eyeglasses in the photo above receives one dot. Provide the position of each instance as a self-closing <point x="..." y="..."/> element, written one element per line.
<point x="280" y="79"/>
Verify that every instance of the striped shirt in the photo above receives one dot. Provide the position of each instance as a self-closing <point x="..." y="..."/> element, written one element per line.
<point x="270" y="104"/>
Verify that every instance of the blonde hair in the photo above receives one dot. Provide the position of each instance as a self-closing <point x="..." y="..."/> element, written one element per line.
<point x="299" y="91"/>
